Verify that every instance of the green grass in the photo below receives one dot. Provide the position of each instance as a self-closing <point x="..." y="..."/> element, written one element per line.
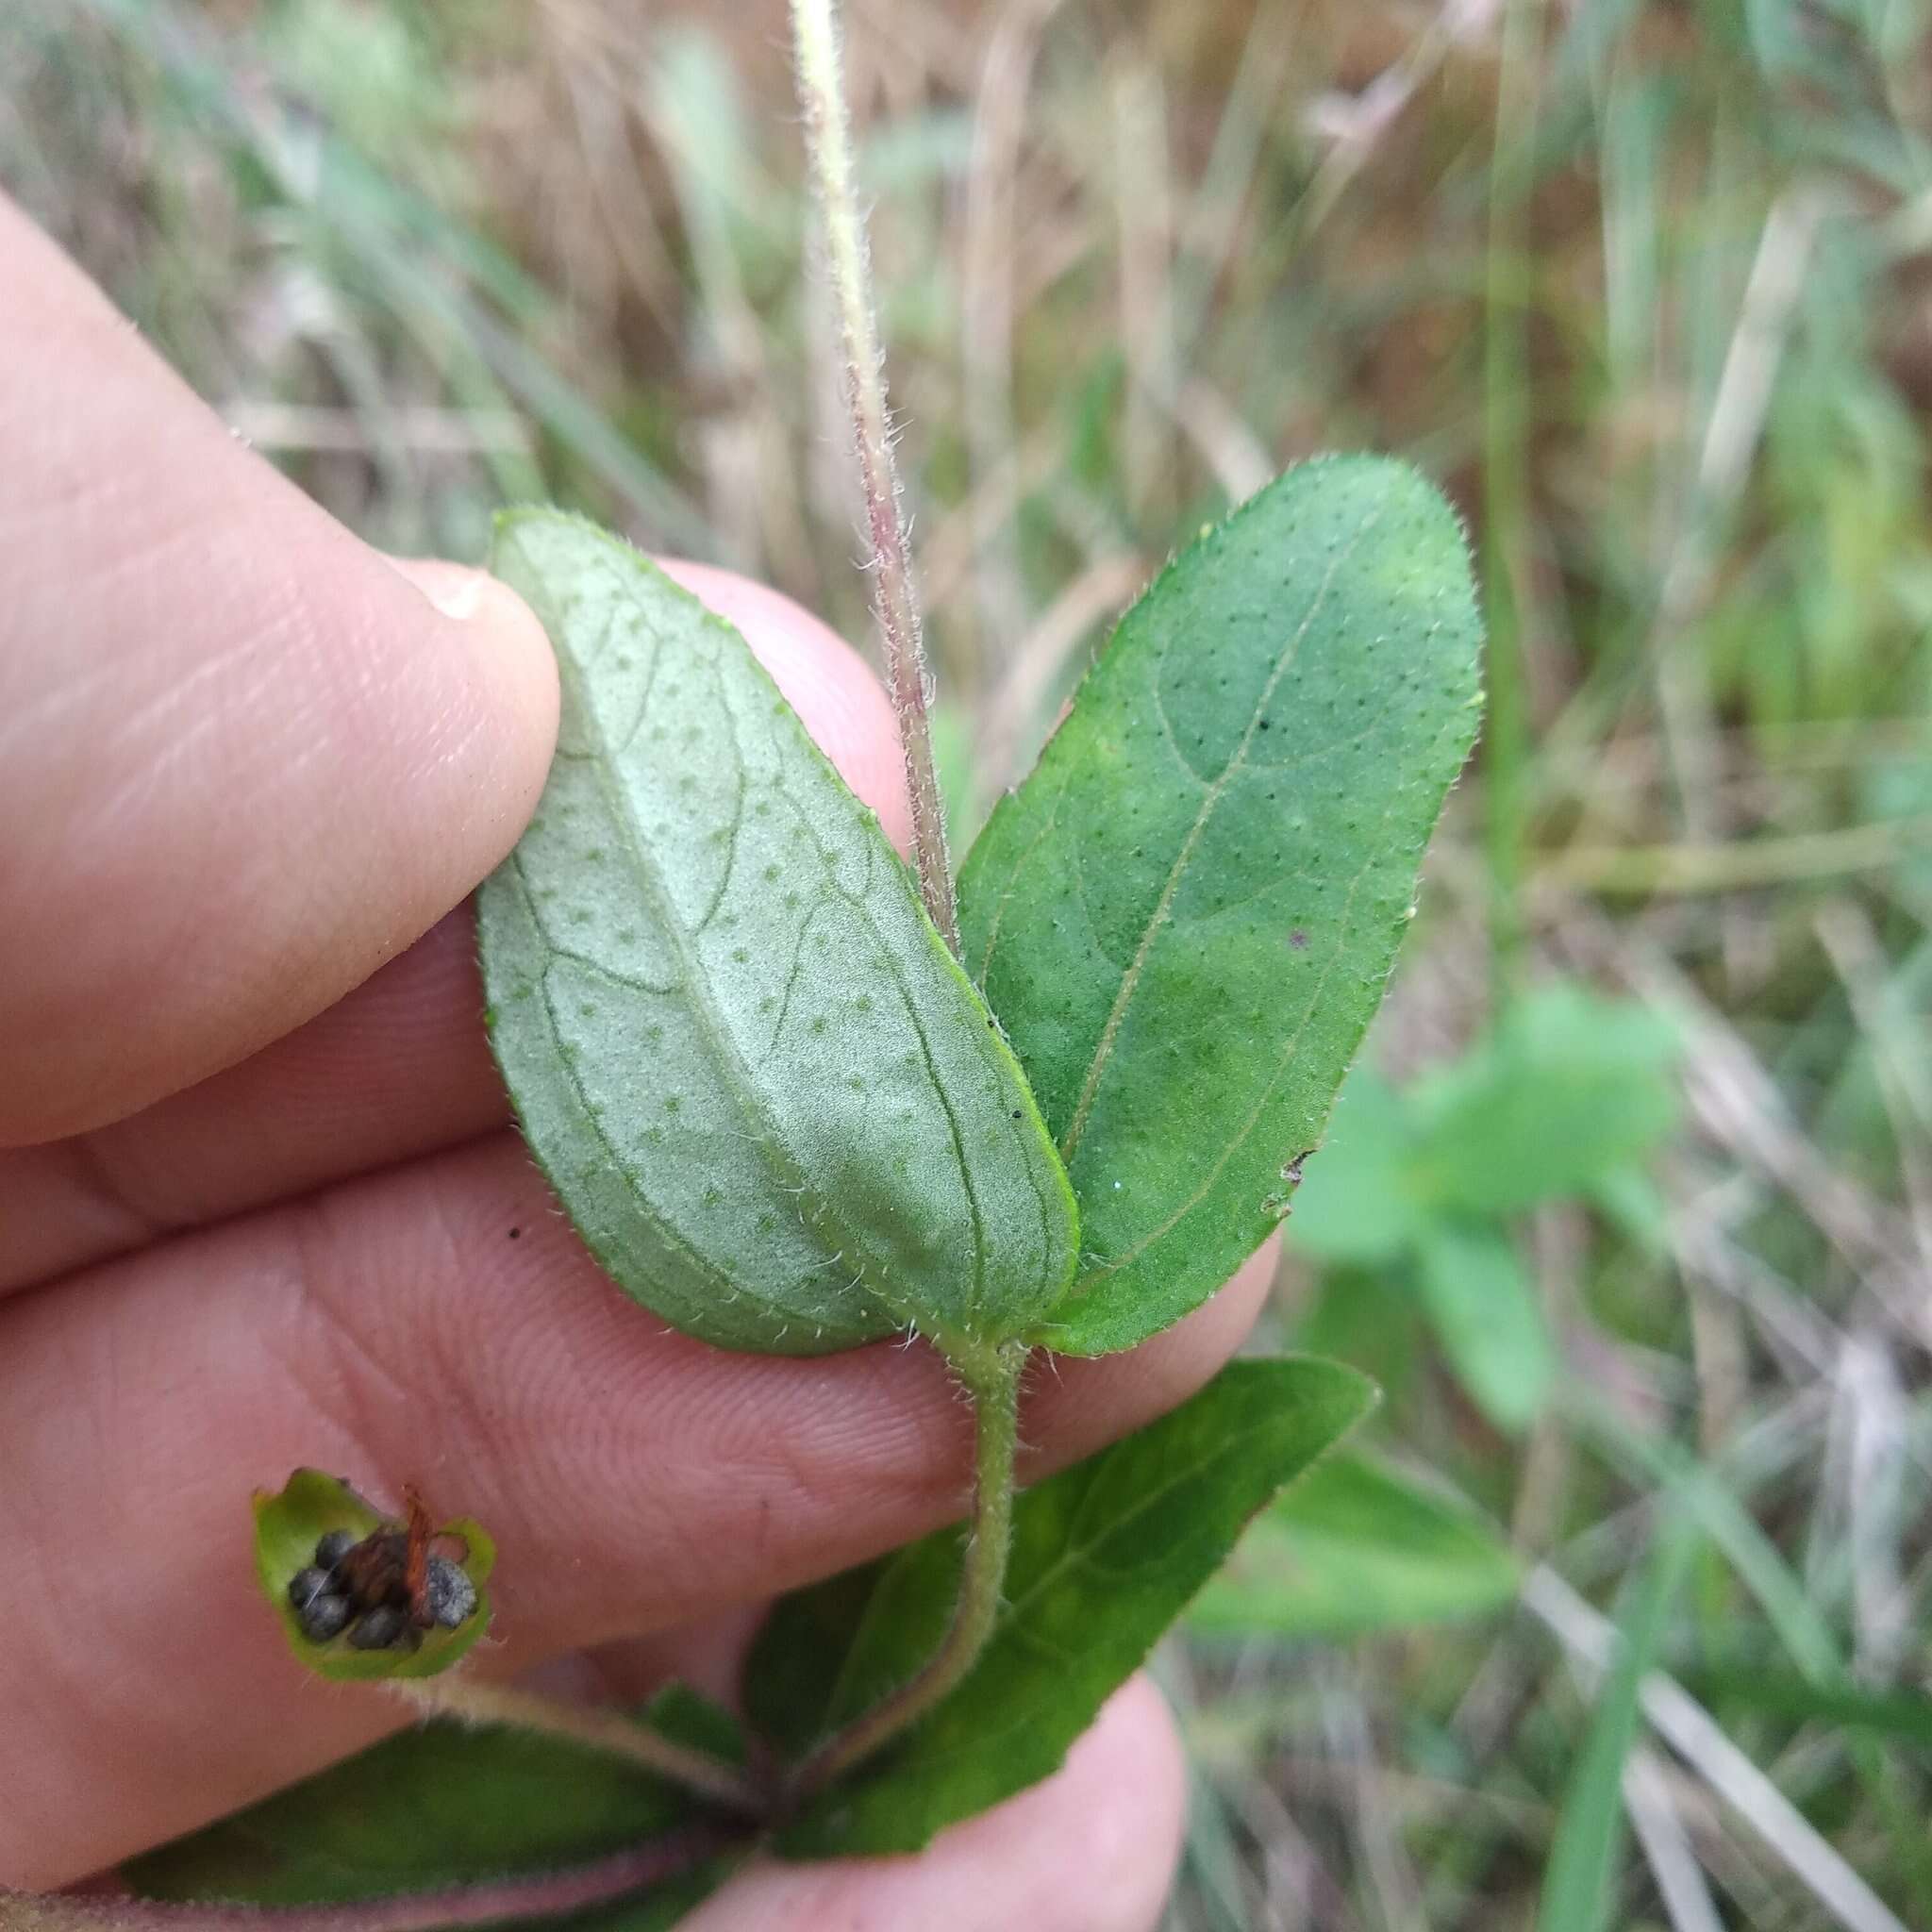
<point x="1659" y="324"/>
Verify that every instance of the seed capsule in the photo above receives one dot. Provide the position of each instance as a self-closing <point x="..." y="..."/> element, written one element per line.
<point x="380" y="1628"/>
<point x="450" y="1596"/>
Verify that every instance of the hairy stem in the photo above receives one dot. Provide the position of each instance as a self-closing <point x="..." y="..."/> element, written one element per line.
<point x="599" y="1730"/>
<point x="828" y="140"/>
<point x="546" y="1895"/>
<point x="995" y="1392"/>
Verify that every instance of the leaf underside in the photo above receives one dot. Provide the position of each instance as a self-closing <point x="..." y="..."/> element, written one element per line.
<point x="1186" y="916"/>
<point x="1105" y="1554"/>
<point x="772" y="1104"/>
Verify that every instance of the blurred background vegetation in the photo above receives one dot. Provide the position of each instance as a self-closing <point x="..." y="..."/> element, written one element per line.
<point x="1618" y="1619"/>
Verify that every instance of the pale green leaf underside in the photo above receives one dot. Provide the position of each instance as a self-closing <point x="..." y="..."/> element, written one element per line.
<point x="1186" y="916"/>
<point x="770" y="1100"/>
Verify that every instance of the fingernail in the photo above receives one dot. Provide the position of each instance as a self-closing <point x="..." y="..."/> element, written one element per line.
<point x="456" y="589"/>
<point x="462" y="598"/>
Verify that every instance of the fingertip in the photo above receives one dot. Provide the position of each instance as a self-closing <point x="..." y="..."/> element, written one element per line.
<point x="1091" y="1849"/>
<point x="389" y="728"/>
<point x="250" y="763"/>
<point x="515" y="690"/>
<point x="1132" y="1790"/>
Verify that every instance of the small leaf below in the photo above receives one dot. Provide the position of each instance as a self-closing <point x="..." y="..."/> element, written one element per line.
<point x="1569" y="1088"/>
<point x="1105" y="1555"/>
<point x="438" y="1805"/>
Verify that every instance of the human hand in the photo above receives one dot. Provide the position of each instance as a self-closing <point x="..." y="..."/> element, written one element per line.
<point x="261" y="1206"/>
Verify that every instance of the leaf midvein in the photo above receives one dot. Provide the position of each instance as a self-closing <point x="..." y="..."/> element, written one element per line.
<point x="1131" y="979"/>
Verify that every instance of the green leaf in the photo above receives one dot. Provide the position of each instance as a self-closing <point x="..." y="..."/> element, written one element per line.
<point x="1358" y="1546"/>
<point x="771" y="1101"/>
<point x="664" y="1907"/>
<point x="442" y="1804"/>
<point x="1186" y="915"/>
<point x="1370" y="1318"/>
<point x="1486" y="1314"/>
<point x="289" y="1525"/>
<point x="1569" y="1089"/>
<point x="1634" y="1206"/>
<point x="1766" y="1689"/>
<point x="1105" y="1555"/>
<point x="1577" y="1882"/>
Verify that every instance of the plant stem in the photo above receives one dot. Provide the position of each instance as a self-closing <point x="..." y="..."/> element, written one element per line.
<point x="598" y="1730"/>
<point x="995" y="1392"/>
<point x="828" y="141"/>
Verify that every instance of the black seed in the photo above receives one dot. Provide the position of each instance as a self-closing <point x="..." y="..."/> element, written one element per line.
<point x="379" y="1628"/>
<point x="307" y="1585"/>
<point x="327" y="1617"/>
<point x="451" y="1596"/>
<point x="332" y="1548"/>
<point x="324" y="1617"/>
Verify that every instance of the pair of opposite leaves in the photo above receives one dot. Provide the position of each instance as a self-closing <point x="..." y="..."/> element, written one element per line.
<point x="776" y="1108"/>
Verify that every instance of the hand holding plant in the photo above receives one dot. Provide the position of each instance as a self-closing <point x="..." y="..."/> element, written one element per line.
<point x="794" y="1103"/>
<point x="263" y="1206"/>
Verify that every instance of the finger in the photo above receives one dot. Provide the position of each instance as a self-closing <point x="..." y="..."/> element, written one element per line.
<point x="247" y="758"/>
<point x="439" y="1325"/>
<point x="1093" y="1849"/>
<point x="399" y="1068"/>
